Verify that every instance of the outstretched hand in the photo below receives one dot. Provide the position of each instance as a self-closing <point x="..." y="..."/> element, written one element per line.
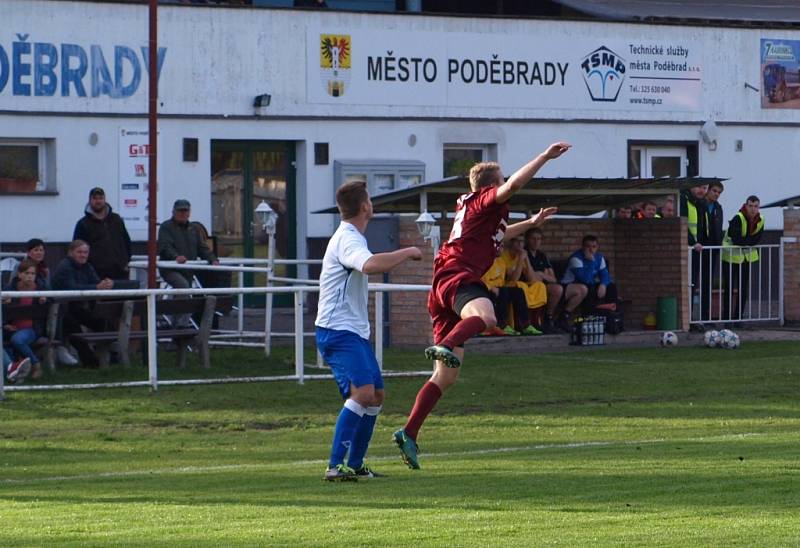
<point x="543" y="215"/>
<point x="556" y="149"/>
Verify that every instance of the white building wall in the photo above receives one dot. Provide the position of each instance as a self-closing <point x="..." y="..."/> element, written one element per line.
<point x="217" y="60"/>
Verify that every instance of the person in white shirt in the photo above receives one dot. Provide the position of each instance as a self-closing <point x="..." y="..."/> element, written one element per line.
<point x="342" y="330"/>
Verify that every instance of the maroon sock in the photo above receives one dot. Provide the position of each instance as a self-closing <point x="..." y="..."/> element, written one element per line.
<point x="427" y="397"/>
<point x="463" y="331"/>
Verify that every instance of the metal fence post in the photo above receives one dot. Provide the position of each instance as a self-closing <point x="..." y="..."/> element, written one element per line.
<point x="298" y="336"/>
<point x="152" y="342"/>
<point x="240" y="299"/>
<point x="379" y="328"/>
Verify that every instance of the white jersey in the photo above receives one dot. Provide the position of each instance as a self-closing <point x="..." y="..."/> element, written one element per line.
<point x="343" y="287"/>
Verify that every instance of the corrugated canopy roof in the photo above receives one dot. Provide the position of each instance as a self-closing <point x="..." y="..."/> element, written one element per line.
<point x="783" y="12"/>
<point x="572" y="195"/>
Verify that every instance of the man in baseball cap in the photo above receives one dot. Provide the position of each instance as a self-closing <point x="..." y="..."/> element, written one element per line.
<point x="108" y="239"/>
<point x="179" y="241"/>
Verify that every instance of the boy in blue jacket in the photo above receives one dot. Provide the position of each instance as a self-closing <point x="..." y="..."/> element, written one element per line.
<point x="587" y="279"/>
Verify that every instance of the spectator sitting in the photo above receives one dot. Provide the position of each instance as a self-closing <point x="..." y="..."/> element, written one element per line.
<point x="503" y="296"/>
<point x="587" y="279"/>
<point x="519" y="273"/>
<point x="543" y="272"/>
<point x="23" y="332"/>
<point x="668" y="209"/>
<point x="75" y="273"/>
<point x="15" y="371"/>
<point x="624" y="212"/>
<point x="180" y="241"/>
<point x="35" y="252"/>
<point x="107" y="237"/>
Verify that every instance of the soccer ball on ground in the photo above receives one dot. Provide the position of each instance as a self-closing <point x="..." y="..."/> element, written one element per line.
<point x="711" y="338"/>
<point x="668" y="338"/>
<point x="730" y="340"/>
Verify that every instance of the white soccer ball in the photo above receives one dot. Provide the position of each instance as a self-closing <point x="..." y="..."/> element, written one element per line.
<point x="711" y="338"/>
<point x="727" y="339"/>
<point x="732" y="341"/>
<point x="668" y="338"/>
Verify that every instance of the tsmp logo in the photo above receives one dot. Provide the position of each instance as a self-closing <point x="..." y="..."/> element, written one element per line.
<point x="603" y="72"/>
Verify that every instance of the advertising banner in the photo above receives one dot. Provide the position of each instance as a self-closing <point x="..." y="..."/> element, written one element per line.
<point x="364" y="67"/>
<point x="780" y="73"/>
<point x="134" y="151"/>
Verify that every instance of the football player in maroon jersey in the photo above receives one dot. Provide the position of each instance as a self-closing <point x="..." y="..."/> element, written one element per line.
<point x="459" y="302"/>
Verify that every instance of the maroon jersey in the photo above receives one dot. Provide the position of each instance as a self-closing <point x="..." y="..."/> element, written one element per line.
<point x="477" y="234"/>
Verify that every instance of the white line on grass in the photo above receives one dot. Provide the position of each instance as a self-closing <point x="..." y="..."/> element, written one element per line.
<point x="308" y="462"/>
<point x="318" y="462"/>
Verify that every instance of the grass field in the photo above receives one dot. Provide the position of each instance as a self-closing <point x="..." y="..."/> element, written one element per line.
<point x="682" y="446"/>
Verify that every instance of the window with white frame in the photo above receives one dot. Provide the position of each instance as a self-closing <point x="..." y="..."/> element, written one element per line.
<point x="459" y="158"/>
<point x="25" y="166"/>
<point x="381" y="176"/>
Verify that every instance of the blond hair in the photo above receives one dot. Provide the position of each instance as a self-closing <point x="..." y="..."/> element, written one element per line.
<point x="483" y="174"/>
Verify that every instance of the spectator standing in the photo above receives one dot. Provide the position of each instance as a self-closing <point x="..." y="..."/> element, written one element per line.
<point x="738" y="256"/>
<point x="544" y="272"/>
<point x="693" y="207"/>
<point x="180" y="241"/>
<point x="586" y="279"/>
<point x="107" y="237"/>
<point x="710" y="258"/>
<point x="23" y="332"/>
<point x="75" y="273"/>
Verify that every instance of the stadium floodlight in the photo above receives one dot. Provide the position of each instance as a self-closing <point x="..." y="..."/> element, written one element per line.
<point x="426" y="225"/>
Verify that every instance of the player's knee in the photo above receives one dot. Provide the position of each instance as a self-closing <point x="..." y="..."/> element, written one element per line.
<point x="490" y="320"/>
<point x="555" y="291"/>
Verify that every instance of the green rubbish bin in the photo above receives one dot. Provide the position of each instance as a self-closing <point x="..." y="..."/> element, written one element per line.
<point x="667" y="317"/>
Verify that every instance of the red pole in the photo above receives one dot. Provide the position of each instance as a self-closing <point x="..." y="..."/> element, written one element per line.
<point x="152" y="127"/>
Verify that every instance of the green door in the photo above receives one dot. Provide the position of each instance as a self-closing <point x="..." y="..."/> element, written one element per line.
<point x="242" y="174"/>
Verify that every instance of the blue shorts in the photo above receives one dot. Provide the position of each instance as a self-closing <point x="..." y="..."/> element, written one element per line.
<point x="351" y="359"/>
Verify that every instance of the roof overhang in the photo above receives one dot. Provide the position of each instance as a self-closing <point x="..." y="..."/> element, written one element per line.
<point x="794" y="201"/>
<point x="572" y="195"/>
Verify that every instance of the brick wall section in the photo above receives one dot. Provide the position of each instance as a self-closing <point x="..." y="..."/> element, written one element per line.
<point x="652" y="262"/>
<point x="647" y="259"/>
<point x="408" y="310"/>
<point x="791" y="268"/>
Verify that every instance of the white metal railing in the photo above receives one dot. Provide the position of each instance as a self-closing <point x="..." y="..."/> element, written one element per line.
<point x="240" y="265"/>
<point x="151" y="294"/>
<point x="727" y="292"/>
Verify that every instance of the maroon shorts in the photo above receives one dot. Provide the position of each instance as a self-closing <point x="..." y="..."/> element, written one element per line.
<point x="441" y="299"/>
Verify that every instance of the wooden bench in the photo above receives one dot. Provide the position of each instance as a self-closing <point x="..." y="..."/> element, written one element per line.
<point x="111" y="312"/>
<point x="125" y="311"/>
<point x="48" y="313"/>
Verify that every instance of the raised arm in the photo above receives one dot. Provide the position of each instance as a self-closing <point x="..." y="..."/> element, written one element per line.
<point x="526" y="172"/>
<point x="384" y="262"/>
<point x="523" y="226"/>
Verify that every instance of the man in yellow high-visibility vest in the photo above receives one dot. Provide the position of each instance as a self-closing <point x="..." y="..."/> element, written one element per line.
<point x="739" y="256"/>
<point x="693" y="207"/>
